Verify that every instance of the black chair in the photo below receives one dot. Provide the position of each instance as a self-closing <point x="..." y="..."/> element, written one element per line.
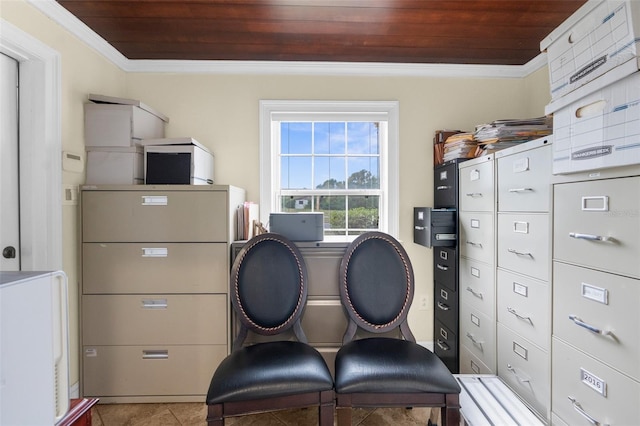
<point x="268" y="293"/>
<point x="376" y="289"/>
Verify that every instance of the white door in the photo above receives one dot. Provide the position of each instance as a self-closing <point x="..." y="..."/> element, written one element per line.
<point x="9" y="184"/>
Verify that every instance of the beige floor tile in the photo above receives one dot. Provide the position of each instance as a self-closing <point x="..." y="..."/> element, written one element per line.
<point x="128" y="414"/>
<point x="190" y="414"/>
<point x="163" y="418"/>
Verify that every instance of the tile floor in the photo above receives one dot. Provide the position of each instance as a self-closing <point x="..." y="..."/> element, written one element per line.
<point x="194" y="414"/>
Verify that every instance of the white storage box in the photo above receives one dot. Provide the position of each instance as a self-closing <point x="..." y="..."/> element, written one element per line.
<point x="600" y="130"/>
<point x="600" y="36"/>
<point x="115" y="166"/>
<point x="179" y="161"/>
<point x="118" y="122"/>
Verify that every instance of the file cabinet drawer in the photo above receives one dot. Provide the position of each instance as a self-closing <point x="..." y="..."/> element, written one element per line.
<point x="524" y="182"/>
<point x="523" y="244"/>
<point x="478" y="333"/>
<point x="446" y="306"/>
<point x="585" y="213"/>
<point x="476" y="184"/>
<point x="477" y="285"/>
<point x="471" y="364"/>
<point x="322" y="266"/>
<point x="608" y="397"/>
<point x="524" y="305"/>
<point x="158" y="319"/>
<point x="476" y="236"/>
<point x="445" y="266"/>
<point x="115" y="371"/>
<point x="586" y="301"/>
<point x="154" y="216"/>
<point x="154" y="268"/>
<point x="445" y="182"/>
<point x="525" y="368"/>
<point x="446" y="346"/>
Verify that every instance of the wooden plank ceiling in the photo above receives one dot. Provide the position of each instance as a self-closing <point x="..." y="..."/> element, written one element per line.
<point x="498" y="32"/>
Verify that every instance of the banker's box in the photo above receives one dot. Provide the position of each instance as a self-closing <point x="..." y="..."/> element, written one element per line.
<point x="298" y="226"/>
<point x="115" y="165"/>
<point x="600" y="130"/>
<point x="177" y="165"/>
<point x="600" y="37"/>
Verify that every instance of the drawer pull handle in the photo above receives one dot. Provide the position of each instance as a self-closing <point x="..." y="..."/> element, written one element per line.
<point x="519" y="253"/>
<point x="442" y="345"/>
<point x="475" y="293"/>
<point x="443" y="306"/>
<point x="580" y="410"/>
<point x="591" y="328"/>
<point x="474" y="194"/>
<point x="589" y="237"/>
<point x="155" y="200"/>
<point x="522" y="317"/>
<point x="418" y="228"/>
<point x="442" y="187"/>
<point x="520" y="189"/>
<point x="154" y="304"/>
<point x="473" y="339"/>
<point x="520" y="379"/>
<point x="442" y="267"/>
<point x="155" y="354"/>
<point x="474" y="244"/>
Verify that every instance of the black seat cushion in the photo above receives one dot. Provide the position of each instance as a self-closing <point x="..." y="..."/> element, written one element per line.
<point x="384" y="365"/>
<point x="267" y="370"/>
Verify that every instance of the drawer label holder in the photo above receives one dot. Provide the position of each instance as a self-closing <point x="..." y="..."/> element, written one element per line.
<point x="594" y="382"/>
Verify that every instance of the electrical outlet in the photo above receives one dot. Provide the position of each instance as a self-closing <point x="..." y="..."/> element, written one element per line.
<point x="423" y="302"/>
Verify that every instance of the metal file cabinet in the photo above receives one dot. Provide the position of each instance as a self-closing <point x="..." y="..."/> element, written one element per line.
<point x="596" y="293"/>
<point x="523" y="289"/>
<point x="155" y="306"/>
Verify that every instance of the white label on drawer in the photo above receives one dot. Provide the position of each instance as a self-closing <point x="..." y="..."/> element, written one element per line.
<point x="520" y="289"/>
<point x="155" y="200"/>
<point x="521" y="165"/>
<point x="420" y="215"/>
<point x="521" y="227"/>
<point x="444" y="294"/>
<point x="155" y="252"/>
<point x="475" y="223"/>
<point x="444" y="255"/>
<point x="475" y="272"/>
<point x="474" y="367"/>
<point x="474" y="174"/>
<point x="444" y="333"/>
<point x="593" y="382"/>
<point x="443" y="175"/>
<point x="91" y="352"/>
<point x="595" y="203"/>
<point x="519" y="350"/>
<point x="475" y="320"/>
<point x="600" y="295"/>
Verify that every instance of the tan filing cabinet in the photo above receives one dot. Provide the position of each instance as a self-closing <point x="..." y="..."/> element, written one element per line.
<point x="523" y="306"/>
<point x="477" y="266"/>
<point x="155" y="305"/>
<point x="596" y="293"/>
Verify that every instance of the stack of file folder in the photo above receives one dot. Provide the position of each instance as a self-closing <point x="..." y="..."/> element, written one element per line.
<point x="501" y="134"/>
<point x="460" y="145"/>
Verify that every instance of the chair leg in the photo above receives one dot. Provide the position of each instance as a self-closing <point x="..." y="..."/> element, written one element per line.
<point x="450" y="413"/>
<point x="214" y="415"/>
<point x="325" y="414"/>
<point x="344" y="416"/>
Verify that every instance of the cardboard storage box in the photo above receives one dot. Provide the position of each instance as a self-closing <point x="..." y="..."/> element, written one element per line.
<point x="600" y="130"/>
<point x="118" y="122"/>
<point x="115" y="166"/>
<point x="179" y="161"/>
<point x="600" y="36"/>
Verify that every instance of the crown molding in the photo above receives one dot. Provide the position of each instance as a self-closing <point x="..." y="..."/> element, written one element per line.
<point x="72" y="24"/>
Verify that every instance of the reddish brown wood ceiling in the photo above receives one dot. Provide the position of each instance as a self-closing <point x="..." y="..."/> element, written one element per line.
<point x="498" y="32"/>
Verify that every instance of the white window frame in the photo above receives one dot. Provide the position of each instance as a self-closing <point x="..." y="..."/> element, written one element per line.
<point x="283" y="110"/>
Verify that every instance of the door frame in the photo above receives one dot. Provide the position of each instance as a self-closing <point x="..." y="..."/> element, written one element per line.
<point x="40" y="148"/>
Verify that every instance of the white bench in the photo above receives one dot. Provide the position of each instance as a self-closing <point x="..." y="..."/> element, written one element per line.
<point x="486" y="400"/>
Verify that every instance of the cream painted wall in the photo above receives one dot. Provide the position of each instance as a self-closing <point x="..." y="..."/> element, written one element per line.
<point x="83" y="71"/>
<point x="221" y="111"/>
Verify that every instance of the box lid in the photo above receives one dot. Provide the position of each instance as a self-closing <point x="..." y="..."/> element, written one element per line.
<point x="569" y="23"/>
<point x="174" y="141"/>
<point x="103" y="99"/>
